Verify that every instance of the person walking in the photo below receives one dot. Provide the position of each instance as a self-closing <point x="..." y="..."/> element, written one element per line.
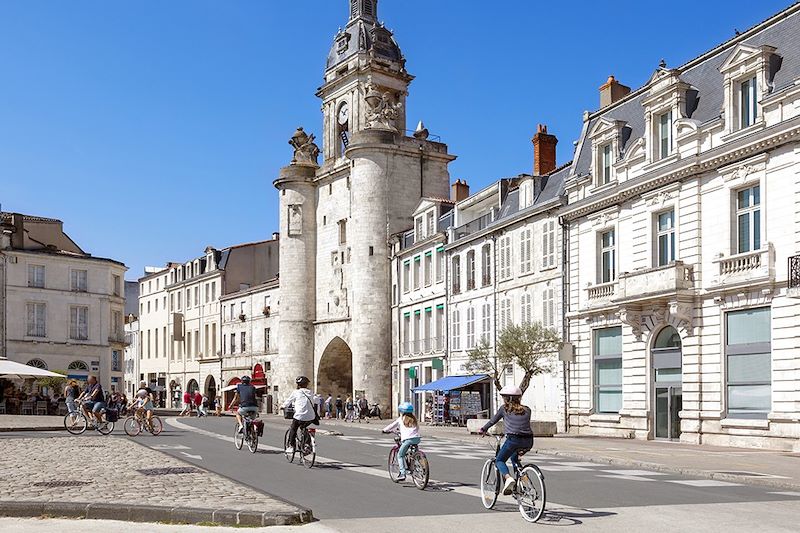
<point x="339" y="408"/>
<point x="328" y="406"/>
<point x="187" y="404"/>
<point x="203" y="408"/>
<point x="218" y="406"/>
<point x="349" y="407"/>
<point x="198" y="402"/>
<point x="319" y="401"/>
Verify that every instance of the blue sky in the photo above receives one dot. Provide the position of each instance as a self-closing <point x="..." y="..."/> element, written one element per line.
<point x="156" y="128"/>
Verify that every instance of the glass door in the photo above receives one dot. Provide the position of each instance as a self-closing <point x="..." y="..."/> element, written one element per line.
<point x="668" y="405"/>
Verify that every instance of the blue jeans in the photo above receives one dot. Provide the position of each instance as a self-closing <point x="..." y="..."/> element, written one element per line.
<point x="401" y="453"/>
<point x="511" y="446"/>
<point x="71" y="405"/>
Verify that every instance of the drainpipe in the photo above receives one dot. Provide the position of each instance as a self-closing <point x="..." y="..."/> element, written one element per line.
<point x="564" y="308"/>
<point x="495" y="399"/>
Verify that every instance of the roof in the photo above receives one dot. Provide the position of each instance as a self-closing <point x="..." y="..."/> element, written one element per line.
<point x="363" y="34"/>
<point x="451" y="383"/>
<point x="704" y="76"/>
<point x="6" y="216"/>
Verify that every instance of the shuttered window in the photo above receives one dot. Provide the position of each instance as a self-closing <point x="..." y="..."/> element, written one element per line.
<point x="526" y="251"/>
<point x="549" y="244"/>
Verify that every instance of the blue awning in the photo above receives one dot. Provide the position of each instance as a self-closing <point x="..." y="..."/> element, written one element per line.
<point x="451" y="383"/>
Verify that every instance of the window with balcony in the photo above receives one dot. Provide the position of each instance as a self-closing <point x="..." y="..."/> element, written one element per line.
<point x="36" y="276"/>
<point x="407" y="333"/>
<point x="605" y="160"/>
<point x="748" y="100"/>
<point x="470" y="269"/>
<point x="470" y="327"/>
<point x="665" y="237"/>
<point x="748" y="355"/>
<point x="456" y="274"/>
<point x="664" y="135"/>
<point x="608" y="370"/>
<point x="417" y="331"/>
<point x="486" y="265"/>
<point x="748" y="219"/>
<point x="456" y="331"/>
<point x="608" y="266"/>
<point x="37" y="320"/>
<point x="79" y="323"/>
<point x="429" y="331"/>
<point x="407" y="275"/>
<point x="428" y="268"/>
<point x="548" y="244"/>
<point x="526" y="251"/>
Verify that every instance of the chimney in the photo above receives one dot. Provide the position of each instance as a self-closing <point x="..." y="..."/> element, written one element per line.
<point x="612" y="91"/>
<point x="459" y="191"/>
<point x="544" y="151"/>
<point x="18" y="232"/>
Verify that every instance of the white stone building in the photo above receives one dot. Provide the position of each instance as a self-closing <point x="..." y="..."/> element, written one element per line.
<point x="132" y="350"/>
<point x="62" y="308"/>
<point x="684" y="209"/>
<point x="154" y="333"/>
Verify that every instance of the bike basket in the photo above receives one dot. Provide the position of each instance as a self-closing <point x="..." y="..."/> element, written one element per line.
<point x="112" y="415"/>
<point x="288" y="413"/>
<point x="259" y="425"/>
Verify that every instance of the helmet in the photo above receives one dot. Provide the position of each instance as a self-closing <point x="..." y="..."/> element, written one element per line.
<point x="302" y="380"/>
<point x="245" y="379"/>
<point x="405" y="408"/>
<point x="510" y="390"/>
<point x="143" y="384"/>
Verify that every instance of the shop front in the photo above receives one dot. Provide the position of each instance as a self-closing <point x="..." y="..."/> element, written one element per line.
<point x="453" y="400"/>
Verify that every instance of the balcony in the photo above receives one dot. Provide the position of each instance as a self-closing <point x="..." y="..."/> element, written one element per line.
<point x="118" y="338"/>
<point x="794" y="276"/>
<point x="601" y="294"/>
<point x="474" y="226"/>
<point x="422" y="346"/>
<point x="747" y="268"/>
<point x="652" y="283"/>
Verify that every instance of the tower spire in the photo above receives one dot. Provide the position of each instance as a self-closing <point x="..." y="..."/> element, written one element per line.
<point x="363" y="9"/>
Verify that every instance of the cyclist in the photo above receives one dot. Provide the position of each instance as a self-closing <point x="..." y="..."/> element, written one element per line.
<point x="408" y="427"/>
<point x="304" y="413"/>
<point x="144" y="401"/>
<point x="517" y="426"/>
<point x="245" y="398"/>
<point x="93" y="400"/>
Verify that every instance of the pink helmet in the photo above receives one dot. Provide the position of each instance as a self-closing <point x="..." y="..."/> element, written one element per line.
<point x="511" y="390"/>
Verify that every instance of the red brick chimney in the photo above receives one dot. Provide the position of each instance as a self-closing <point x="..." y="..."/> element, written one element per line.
<point x="459" y="190"/>
<point x="611" y="91"/>
<point x="544" y="151"/>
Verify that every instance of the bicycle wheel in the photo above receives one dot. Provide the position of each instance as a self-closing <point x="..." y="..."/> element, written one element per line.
<point x="252" y="441"/>
<point x="289" y="456"/>
<point x="420" y="470"/>
<point x="156" y="426"/>
<point x="309" y="452"/>
<point x="105" y="427"/>
<point x="393" y="466"/>
<point x="530" y="493"/>
<point x="75" y="423"/>
<point x="490" y="484"/>
<point x="238" y="438"/>
<point x="132" y="426"/>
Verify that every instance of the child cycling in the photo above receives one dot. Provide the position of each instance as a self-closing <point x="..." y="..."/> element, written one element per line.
<point x="517" y="426"/>
<point x="408" y="427"/>
<point x="144" y="401"/>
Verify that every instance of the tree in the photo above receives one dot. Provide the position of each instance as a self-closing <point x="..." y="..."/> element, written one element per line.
<point x="530" y="346"/>
<point x="55" y="384"/>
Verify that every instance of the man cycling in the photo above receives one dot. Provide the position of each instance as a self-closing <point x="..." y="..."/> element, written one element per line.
<point x="245" y="398"/>
<point x="304" y="413"/>
<point x="93" y="401"/>
<point x="144" y="401"/>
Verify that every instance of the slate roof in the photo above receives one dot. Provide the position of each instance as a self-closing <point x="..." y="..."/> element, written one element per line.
<point x="781" y="31"/>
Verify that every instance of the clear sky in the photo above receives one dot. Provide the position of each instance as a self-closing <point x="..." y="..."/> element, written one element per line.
<point x="155" y="128"/>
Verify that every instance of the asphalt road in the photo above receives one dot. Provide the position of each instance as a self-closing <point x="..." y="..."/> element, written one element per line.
<point x="350" y="485"/>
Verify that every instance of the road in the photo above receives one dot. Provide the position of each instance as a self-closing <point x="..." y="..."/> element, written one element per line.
<point x="349" y="489"/>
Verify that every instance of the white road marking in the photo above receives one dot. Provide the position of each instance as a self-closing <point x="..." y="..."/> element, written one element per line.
<point x="633" y="473"/>
<point x="559" y="468"/>
<point x="625" y="478"/>
<point x="702" y="483"/>
<point x="576" y="463"/>
<point x="169" y="447"/>
<point x="793" y="494"/>
<point x="190" y="456"/>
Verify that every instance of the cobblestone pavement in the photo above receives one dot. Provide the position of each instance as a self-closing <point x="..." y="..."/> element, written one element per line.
<point x="93" y="469"/>
<point x="20" y="422"/>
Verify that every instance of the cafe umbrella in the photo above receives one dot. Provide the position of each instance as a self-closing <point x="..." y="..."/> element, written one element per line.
<point x="12" y="369"/>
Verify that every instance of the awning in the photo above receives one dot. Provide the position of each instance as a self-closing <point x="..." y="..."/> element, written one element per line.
<point x="451" y="383"/>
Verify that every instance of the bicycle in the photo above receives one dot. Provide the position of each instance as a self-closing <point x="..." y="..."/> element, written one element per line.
<point x="248" y="434"/>
<point x="305" y="444"/>
<point x="135" y="423"/>
<point x="416" y="464"/>
<point x="76" y="423"/>
<point x="529" y="492"/>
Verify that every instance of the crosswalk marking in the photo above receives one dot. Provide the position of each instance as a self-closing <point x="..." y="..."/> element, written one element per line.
<point x="702" y="483"/>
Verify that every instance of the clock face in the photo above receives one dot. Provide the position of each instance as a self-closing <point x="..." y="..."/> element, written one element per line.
<point x="344" y="114"/>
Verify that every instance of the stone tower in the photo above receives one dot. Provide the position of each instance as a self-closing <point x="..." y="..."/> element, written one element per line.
<point x="335" y="284"/>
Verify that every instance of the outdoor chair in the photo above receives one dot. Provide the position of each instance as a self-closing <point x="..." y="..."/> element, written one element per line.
<point x="26" y="408"/>
<point x="41" y="408"/>
<point x="62" y="409"/>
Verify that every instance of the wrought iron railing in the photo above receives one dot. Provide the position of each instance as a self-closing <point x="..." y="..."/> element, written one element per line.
<point x="794" y="272"/>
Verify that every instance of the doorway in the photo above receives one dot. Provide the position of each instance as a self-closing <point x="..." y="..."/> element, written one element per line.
<point x="667" y="385"/>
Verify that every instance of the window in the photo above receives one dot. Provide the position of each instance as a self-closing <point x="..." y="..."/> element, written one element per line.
<point x="116" y="361"/>
<point x="417" y="229"/>
<point x="664" y="135"/>
<point x="407" y="276"/>
<point x="506" y="318"/>
<point x="525" y="194"/>
<point x="429" y="333"/>
<point x="417" y="272"/>
<point x="748" y="219"/>
<point x="748" y="351"/>
<point x="605" y="169"/>
<point x="213" y="346"/>
<point x="608" y="265"/>
<point x="116" y="284"/>
<point x="548" y="244"/>
<point x="171" y="302"/>
<point x="208" y="293"/>
<point x="164" y="340"/>
<point x="548" y="308"/>
<point x="342" y="232"/>
<point x="470" y="328"/>
<point x="470" y="269"/>
<point x="525" y="308"/>
<point x="407" y="334"/>
<point x="526" y="251"/>
<point x="213" y="291"/>
<point x="456" y="273"/>
<point x="504" y="252"/>
<point x="748" y="109"/>
<point x="428" y="268"/>
<point x="430" y="222"/>
<point x="439" y="327"/>
<point x="155" y="339"/>
<point x="188" y="344"/>
<point x="486" y="320"/>
<point x="224" y="343"/>
<point x="439" y="265"/>
<point x="79" y="323"/>
<point x="148" y="306"/>
<point x="37" y="320"/>
<point x="266" y="340"/>
<point x="608" y="370"/>
<point x="417" y="331"/>
<point x="456" y="327"/>
<point x="179" y="301"/>
<point x="665" y="233"/>
<point x="243" y="338"/>
<point x="116" y="324"/>
<point x="233" y="343"/>
<point x="233" y="312"/>
<point x="486" y="265"/>
<point x="36" y="276"/>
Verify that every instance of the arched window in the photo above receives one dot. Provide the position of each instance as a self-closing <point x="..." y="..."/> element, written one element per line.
<point x="667" y="338"/>
<point x="37" y="363"/>
<point x="78" y="365"/>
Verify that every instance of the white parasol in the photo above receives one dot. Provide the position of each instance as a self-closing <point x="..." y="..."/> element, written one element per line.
<point x="12" y="369"/>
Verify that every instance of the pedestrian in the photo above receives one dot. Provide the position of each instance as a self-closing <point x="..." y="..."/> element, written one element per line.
<point x="71" y="391"/>
<point x="203" y="406"/>
<point x="198" y="402"/>
<point x="339" y="407"/>
<point x="218" y="406"/>
<point x="350" y="408"/>
<point x="319" y="401"/>
<point x="328" y="406"/>
<point x="363" y="408"/>
<point x="187" y="404"/>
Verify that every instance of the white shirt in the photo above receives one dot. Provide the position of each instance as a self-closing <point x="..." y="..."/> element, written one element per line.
<point x="303" y="410"/>
<point x="405" y="432"/>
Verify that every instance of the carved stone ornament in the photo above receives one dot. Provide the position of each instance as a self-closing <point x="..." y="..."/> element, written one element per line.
<point x="295" y="219"/>
<point x="680" y="315"/>
<point x="305" y="151"/>
<point x="381" y="110"/>
<point x="740" y="173"/>
<point x="661" y="198"/>
<point x="632" y="318"/>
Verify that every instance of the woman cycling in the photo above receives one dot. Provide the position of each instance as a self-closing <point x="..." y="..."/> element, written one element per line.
<point x="517" y="426"/>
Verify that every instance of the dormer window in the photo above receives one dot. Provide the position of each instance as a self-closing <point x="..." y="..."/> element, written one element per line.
<point x="664" y="135"/>
<point x="608" y="138"/>
<point x="431" y="224"/>
<point x="748" y="110"/>
<point x="747" y="74"/>
<point x="605" y="171"/>
<point x="417" y="229"/>
<point x="668" y="101"/>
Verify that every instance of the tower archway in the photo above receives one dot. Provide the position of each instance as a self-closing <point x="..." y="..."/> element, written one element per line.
<point x="335" y="371"/>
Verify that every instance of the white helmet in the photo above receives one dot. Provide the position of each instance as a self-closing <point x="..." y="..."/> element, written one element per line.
<point x="511" y="390"/>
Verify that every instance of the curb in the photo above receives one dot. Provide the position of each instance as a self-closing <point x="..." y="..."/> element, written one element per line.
<point x="40" y="428"/>
<point x="149" y="513"/>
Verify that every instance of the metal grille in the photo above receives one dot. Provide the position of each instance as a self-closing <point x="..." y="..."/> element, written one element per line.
<point x="171" y="470"/>
<point x="60" y="483"/>
<point x="92" y="446"/>
<point x="794" y="272"/>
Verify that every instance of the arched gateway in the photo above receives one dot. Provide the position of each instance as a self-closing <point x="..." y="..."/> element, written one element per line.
<point x="335" y="371"/>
